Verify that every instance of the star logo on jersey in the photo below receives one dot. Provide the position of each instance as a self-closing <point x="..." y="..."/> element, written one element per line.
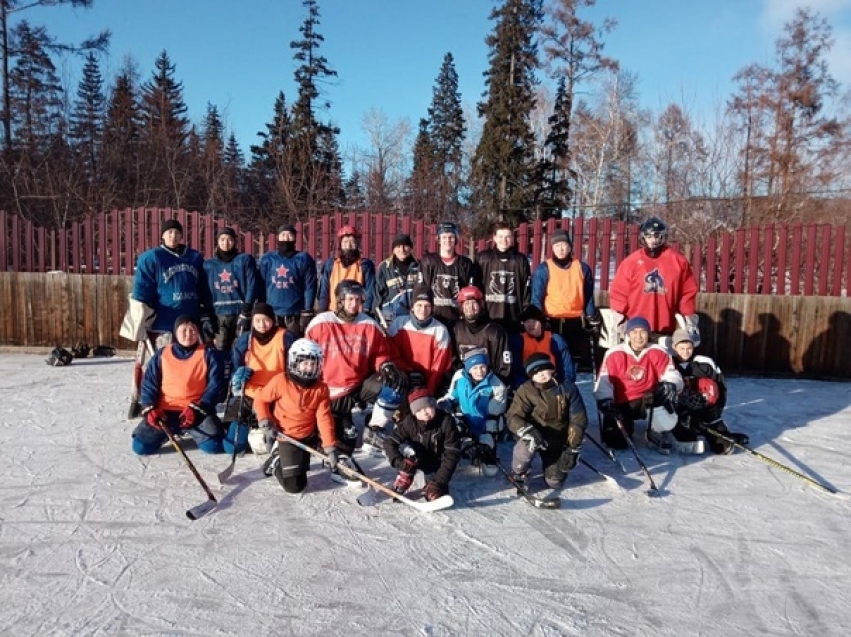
<point x="654" y="283"/>
<point x="225" y="276"/>
<point x="282" y="271"/>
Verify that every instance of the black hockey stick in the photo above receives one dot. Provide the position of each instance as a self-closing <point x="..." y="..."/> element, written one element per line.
<point x="770" y="461"/>
<point x="654" y="490"/>
<point x="597" y="471"/>
<point x="443" y="502"/>
<point x="225" y="474"/>
<point x="552" y="502"/>
<point x="608" y="452"/>
<point x="202" y="509"/>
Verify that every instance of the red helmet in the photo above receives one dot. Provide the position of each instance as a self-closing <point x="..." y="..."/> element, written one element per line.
<point x="345" y="231"/>
<point x="708" y="388"/>
<point x="470" y="293"/>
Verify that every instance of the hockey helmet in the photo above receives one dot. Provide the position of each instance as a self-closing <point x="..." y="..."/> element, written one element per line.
<point x="346" y="231"/>
<point x="656" y="229"/>
<point x="59" y="357"/>
<point x="470" y="293"/>
<point x="348" y="286"/>
<point x="305" y="351"/>
<point x="447" y="227"/>
<point x="708" y="388"/>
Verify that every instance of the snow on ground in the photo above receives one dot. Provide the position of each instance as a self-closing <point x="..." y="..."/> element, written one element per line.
<point x="94" y="540"/>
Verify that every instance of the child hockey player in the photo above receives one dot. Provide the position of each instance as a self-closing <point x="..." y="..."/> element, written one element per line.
<point x="547" y="418"/>
<point x="424" y="440"/>
<point x="298" y="404"/>
<point x="703" y="399"/>
<point x="478" y="398"/>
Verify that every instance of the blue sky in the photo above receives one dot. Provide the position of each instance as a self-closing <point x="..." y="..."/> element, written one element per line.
<point x="388" y="53"/>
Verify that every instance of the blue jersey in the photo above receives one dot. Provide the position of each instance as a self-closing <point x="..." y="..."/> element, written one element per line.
<point x="232" y="283"/>
<point x="171" y="283"/>
<point x="289" y="282"/>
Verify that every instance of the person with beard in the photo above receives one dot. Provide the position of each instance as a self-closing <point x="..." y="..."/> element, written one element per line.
<point x="298" y="404"/>
<point x="232" y="278"/>
<point x="563" y="287"/>
<point x="477" y="331"/>
<point x="396" y="277"/>
<point x="289" y="277"/>
<point x="424" y="440"/>
<point x="349" y="265"/>
<point x="446" y="273"/>
<point x="179" y="391"/>
<point x="257" y="357"/>
<point x="358" y="364"/>
<point x="505" y="275"/>
<point x="537" y="338"/>
<point x="547" y="418"/>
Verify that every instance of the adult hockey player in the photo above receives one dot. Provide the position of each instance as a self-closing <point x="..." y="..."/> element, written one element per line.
<point x="637" y="380"/>
<point x="536" y="338"/>
<point x="348" y="265"/>
<point x="655" y="282"/>
<point x="395" y="280"/>
<point x="179" y="391"/>
<point x="289" y="281"/>
<point x="446" y="273"/>
<point x="477" y="331"/>
<point x="505" y="275"/>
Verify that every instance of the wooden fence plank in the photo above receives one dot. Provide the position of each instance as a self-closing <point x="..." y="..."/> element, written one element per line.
<point x="809" y="262"/>
<point x="838" y="259"/>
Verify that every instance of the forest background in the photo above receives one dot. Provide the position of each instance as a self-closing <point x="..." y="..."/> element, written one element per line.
<point x="559" y="131"/>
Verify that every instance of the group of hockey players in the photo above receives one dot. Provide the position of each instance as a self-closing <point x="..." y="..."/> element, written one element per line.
<point x="453" y="355"/>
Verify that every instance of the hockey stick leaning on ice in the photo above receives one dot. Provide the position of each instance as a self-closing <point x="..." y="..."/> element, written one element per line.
<point x="443" y="502"/>
<point x="609" y="453"/>
<point x="225" y="474"/>
<point x="594" y="469"/>
<point x="773" y="463"/>
<point x="202" y="509"/>
<point x="654" y="490"/>
<point x="553" y="502"/>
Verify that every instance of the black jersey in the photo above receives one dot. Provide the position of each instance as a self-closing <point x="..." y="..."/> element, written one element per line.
<point x="506" y="282"/>
<point x="491" y="337"/>
<point x="446" y="280"/>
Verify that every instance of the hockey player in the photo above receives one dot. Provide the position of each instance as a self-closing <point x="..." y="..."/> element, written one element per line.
<point x="289" y="282"/>
<point x="478" y="399"/>
<point x="703" y="399"/>
<point x="534" y="338"/>
<point x="446" y="273"/>
<point x="179" y="391"/>
<point x="424" y="440"/>
<point x="478" y="331"/>
<point x="563" y="287"/>
<point x="232" y="278"/>
<point x="357" y="363"/>
<point x="349" y="265"/>
<point x="505" y="276"/>
<point x="395" y="280"/>
<point x="637" y="380"/>
<point x="298" y="404"/>
<point x="258" y="356"/>
<point x="655" y="282"/>
<point x="547" y="418"/>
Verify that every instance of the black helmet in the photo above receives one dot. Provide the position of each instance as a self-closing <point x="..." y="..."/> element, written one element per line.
<point x="348" y="286"/>
<point x="447" y="227"/>
<point x="654" y="228"/>
<point x="59" y="357"/>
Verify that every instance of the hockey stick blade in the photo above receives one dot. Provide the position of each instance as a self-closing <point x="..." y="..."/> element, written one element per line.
<point x="225" y="474"/>
<point x="201" y="510"/>
<point x="553" y="502"/>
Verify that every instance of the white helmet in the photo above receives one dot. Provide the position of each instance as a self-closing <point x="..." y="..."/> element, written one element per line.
<point x="305" y="350"/>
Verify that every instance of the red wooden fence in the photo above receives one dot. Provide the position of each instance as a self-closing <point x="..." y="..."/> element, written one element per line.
<point x="789" y="260"/>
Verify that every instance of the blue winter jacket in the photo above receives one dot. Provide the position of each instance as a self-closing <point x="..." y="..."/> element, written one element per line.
<point x="152" y="382"/>
<point x="289" y="283"/>
<point x="232" y="283"/>
<point x="477" y="402"/>
<point x="171" y="283"/>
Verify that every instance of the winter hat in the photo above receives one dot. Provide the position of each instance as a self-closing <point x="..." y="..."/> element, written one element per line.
<point x="171" y="224"/>
<point x="402" y="240"/>
<point x="286" y="227"/>
<point x="533" y="312"/>
<point x="538" y="362"/>
<point x="560" y="235"/>
<point x="228" y="231"/>
<point x="186" y="318"/>
<point x="422" y="293"/>
<point x="263" y="308"/>
<point x="637" y="322"/>
<point x="680" y="336"/>
<point x="420" y="399"/>
<point x="476" y="357"/>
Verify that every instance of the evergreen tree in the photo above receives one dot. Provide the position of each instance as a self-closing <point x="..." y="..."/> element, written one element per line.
<point x="87" y="118"/>
<point x="446" y="129"/>
<point x="554" y="174"/>
<point x="120" y="152"/>
<point x="270" y="176"/>
<point x="423" y="197"/>
<point x="503" y="163"/>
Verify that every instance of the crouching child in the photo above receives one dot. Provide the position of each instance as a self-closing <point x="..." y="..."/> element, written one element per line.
<point x="426" y="440"/>
<point x="548" y="419"/>
<point x="297" y="403"/>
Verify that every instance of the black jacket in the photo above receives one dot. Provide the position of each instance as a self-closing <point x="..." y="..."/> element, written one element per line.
<point x="437" y="442"/>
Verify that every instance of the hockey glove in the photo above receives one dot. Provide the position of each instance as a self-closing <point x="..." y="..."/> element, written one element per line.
<point x="434" y="490"/>
<point x="208" y="328"/>
<point x="532" y="437"/>
<point x="666" y="393"/>
<point x="593" y="324"/>
<point x="243" y="321"/>
<point x="153" y="416"/>
<point x="569" y="458"/>
<point x="266" y="428"/>
<point x="304" y="320"/>
<point x="392" y="377"/>
<point x="333" y="457"/>
<point x="80" y="350"/>
<point x="692" y="401"/>
<point x="192" y="415"/>
<point x="239" y="378"/>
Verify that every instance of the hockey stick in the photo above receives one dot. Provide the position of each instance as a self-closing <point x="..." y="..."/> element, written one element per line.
<point x="770" y="461"/>
<point x="225" y="474"/>
<point x="597" y="471"/>
<point x="202" y="509"/>
<point x="443" y="502"/>
<point x="144" y="349"/>
<point x="552" y="502"/>
<point x="608" y="452"/>
<point x="654" y="490"/>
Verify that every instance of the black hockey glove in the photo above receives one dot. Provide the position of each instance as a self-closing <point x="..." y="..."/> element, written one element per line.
<point x="304" y="320"/>
<point x="208" y="327"/>
<point x="532" y="437"/>
<point x="666" y="394"/>
<point x="692" y="401"/>
<point x="243" y="321"/>
<point x="80" y="350"/>
<point x="568" y="459"/>
<point x="594" y="323"/>
<point x="393" y="378"/>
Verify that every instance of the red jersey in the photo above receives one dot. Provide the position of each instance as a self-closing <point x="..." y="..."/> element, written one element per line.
<point x="625" y="375"/>
<point x="426" y="350"/>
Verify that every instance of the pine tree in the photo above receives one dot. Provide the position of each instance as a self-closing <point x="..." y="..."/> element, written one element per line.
<point x="120" y="151"/>
<point x="423" y="197"/>
<point x="446" y="129"/>
<point x="554" y="173"/>
<point x="87" y="118"/>
<point x="503" y="164"/>
<point x="270" y="183"/>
